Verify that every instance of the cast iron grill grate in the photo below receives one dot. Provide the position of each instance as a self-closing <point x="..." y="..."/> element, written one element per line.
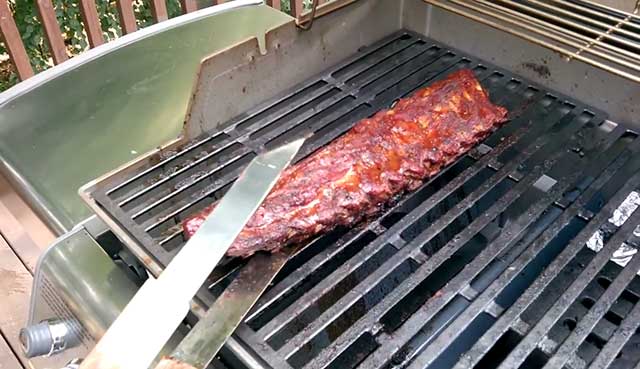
<point x="491" y="264"/>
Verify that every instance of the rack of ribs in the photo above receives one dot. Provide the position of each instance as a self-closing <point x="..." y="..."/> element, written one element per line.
<point x="382" y="157"/>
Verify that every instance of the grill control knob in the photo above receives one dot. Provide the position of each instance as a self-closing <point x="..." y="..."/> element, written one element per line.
<point x="46" y="338"/>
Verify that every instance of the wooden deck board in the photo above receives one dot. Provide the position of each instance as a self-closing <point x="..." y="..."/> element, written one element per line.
<point x="30" y="225"/>
<point x="13" y="232"/>
<point x="8" y="359"/>
<point x="15" y="289"/>
<point x="23" y="236"/>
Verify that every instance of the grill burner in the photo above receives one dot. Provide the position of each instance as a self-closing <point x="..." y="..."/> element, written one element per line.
<point x="487" y="265"/>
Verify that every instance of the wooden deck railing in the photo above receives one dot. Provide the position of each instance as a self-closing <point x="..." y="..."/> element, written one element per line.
<point x="91" y="23"/>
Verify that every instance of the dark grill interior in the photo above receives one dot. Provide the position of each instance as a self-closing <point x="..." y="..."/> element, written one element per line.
<point x="484" y="266"/>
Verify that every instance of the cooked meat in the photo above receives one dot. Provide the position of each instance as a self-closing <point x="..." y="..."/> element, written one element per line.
<point x="381" y="157"/>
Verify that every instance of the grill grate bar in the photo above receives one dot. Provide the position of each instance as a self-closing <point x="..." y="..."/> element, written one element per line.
<point x="211" y="189"/>
<point x="387" y="48"/>
<point x="596" y="13"/>
<point x="395" y="59"/>
<point x="391" y="343"/>
<point x="412" y="62"/>
<point x="439" y="225"/>
<point x="512" y="315"/>
<point x="483" y="301"/>
<point x="478" y="224"/>
<point x="300" y="276"/>
<point x="563" y="43"/>
<point x="505" y="139"/>
<point x="531" y="341"/>
<point x="281" y="108"/>
<point x="626" y="329"/>
<point x="419" y="60"/>
<point x="424" y="70"/>
<point x="360" y="62"/>
<point x="186" y="150"/>
<point x="208" y="192"/>
<point x="596" y="313"/>
<point x="211" y="192"/>
<point x="150" y="206"/>
<point x="328" y="104"/>
<point x="168" y="178"/>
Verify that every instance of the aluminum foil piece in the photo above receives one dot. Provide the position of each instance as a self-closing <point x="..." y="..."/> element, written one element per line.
<point x="623" y="254"/>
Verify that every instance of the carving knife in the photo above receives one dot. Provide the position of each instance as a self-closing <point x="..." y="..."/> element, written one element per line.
<point x="147" y="322"/>
<point x="205" y="339"/>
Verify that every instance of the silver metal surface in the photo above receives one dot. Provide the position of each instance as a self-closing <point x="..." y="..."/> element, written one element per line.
<point x="251" y="72"/>
<point x="618" y="96"/>
<point x="47" y="338"/>
<point x="97" y="111"/>
<point x="624" y="5"/>
<point x="512" y="17"/>
<point x="208" y="336"/>
<point x="87" y="280"/>
<point x="76" y="281"/>
<point x="136" y="337"/>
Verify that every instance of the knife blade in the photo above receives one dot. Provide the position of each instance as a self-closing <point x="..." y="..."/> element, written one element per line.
<point x="147" y="322"/>
<point x="206" y="338"/>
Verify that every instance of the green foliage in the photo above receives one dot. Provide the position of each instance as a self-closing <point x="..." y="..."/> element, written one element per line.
<point x="142" y="9"/>
<point x="70" y="20"/>
<point x="285" y="5"/>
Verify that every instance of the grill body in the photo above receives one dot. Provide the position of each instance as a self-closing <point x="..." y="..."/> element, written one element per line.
<point x="504" y="259"/>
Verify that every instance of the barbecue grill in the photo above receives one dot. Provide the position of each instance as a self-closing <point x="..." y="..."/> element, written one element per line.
<point x="521" y="254"/>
